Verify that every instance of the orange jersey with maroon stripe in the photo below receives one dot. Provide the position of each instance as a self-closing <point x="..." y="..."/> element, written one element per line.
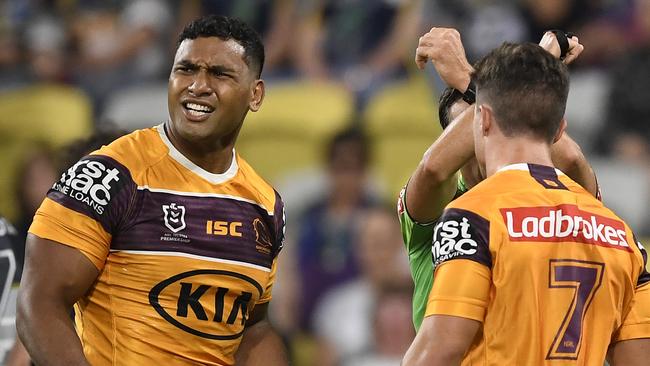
<point x="553" y="275"/>
<point x="184" y="255"/>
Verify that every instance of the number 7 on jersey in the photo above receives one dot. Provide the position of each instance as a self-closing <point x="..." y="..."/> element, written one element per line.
<point x="585" y="278"/>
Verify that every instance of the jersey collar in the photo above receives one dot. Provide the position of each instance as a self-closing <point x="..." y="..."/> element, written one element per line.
<point x="524" y="167"/>
<point x="181" y="159"/>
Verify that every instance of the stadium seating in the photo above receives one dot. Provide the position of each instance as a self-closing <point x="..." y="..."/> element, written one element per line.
<point x="586" y="107"/>
<point x="41" y="114"/>
<point x="402" y="120"/>
<point x="626" y="190"/>
<point x="289" y="132"/>
<point x="136" y="107"/>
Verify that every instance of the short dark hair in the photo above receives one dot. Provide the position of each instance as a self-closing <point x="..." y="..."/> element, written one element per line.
<point x="527" y="88"/>
<point x="351" y="135"/>
<point x="447" y="99"/>
<point x="227" y="28"/>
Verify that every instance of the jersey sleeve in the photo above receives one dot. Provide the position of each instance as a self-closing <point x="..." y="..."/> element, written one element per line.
<point x="463" y="262"/>
<point x="267" y="294"/>
<point x="462" y="288"/>
<point x="87" y="206"/>
<point x="280" y="218"/>
<point x="417" y="239"/>
<point x="636" y="323"/>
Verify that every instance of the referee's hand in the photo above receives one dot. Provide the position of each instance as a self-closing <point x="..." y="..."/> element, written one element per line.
<point x="549" y="43"/>
<point x="445" y="50"/>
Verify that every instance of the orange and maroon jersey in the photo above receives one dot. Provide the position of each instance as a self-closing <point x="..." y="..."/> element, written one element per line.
<point x="184" y="255"/>
<point x="553" y="275"/>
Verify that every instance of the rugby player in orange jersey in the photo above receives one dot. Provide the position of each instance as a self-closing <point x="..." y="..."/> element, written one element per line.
<point x="166" y="240"/>
<point x="531" y="269"/>
<point x="449" y="168"/>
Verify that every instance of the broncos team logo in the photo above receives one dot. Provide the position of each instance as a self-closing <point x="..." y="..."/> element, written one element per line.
<point x="174" y="217"/>
<point x="262" y="237"/>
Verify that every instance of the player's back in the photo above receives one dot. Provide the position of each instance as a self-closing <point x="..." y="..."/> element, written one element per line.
<point x="562" y="268"/>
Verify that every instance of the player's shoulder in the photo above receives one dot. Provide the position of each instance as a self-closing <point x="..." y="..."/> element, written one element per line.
<point x="253" y="182"/>
<point x="135" y="151"/>
<point x="478" y="199"/>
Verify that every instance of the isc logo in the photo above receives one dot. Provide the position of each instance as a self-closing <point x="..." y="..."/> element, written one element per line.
<point x="223" y="228"/>
<point x="199" y="302"/>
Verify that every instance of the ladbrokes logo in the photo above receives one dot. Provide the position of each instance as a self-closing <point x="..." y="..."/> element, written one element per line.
<point x="90" y="182"/>
<point x="564" y="223"/>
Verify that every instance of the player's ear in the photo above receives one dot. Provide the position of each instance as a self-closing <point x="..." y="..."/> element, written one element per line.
<point x="257" y="96"/>
<point x="560" y="130"/>
<point x="487" y="118"/>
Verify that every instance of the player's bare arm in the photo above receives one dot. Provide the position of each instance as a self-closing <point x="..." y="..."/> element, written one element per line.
<point x="54" y="278"/>
<point x="442" y="340"/>
<point x="633" y="352"/>
<point x="260" y="344"/>
<point x="433" y="184"/>
<point x="568" y="157"/>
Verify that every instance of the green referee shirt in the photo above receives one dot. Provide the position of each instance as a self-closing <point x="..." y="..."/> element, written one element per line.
<point x="418" y="239"/>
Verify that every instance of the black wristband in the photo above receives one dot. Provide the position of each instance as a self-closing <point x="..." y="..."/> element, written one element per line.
<point x="469" y="96"/>
<point x="563" y="40"/>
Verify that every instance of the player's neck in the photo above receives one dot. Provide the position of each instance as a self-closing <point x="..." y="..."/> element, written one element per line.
<point x="212" y="157"/>
<point x="506" y="151"/>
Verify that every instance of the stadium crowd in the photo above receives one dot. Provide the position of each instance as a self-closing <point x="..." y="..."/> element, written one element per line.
<point x="346" y="119"/>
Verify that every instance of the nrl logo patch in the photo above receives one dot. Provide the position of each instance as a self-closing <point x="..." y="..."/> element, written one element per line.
<point x="174" y="217"/>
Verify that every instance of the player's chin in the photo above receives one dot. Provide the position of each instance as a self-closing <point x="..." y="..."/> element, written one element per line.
<point x="194" y="131"/>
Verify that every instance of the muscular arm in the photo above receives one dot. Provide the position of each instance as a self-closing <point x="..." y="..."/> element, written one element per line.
<point x="260" y="344"/>
<point x="568" y="157"/>
<point x="54" y="278"/>
<point x="442" y="340"/>
<point x="433" y="184"/>
<point x="633" y="352"/>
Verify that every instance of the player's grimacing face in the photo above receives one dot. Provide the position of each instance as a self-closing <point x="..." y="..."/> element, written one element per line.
<point x="210" y="88"/>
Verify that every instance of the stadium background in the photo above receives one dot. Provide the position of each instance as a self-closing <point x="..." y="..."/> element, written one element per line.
<point x="336" y="69"/>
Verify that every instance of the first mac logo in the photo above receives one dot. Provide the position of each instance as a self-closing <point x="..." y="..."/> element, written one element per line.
<point x="89" y="181"/>
<point x="199" y="303"/>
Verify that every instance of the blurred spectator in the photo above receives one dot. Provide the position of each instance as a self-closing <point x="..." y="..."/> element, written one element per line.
<point x="325" y="230"/>
<point x="360" y="43"/>
<point x="12" y="70"/>
<point x="542" y="15"/>
<point x="40" y="169"/>
<point x="272" y="19"/>
<point x="45" y="40"/>
<point x="343" y="321"/>
<point x="80" y="148"/>
<point x="119" y="47"/>
<point x="12" y="352"/>
<point x="391" y="329"/>
<point x="626" y="134"/>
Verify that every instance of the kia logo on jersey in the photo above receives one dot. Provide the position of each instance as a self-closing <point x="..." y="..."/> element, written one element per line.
<point x="208" y="303"/>
<point x="174" y="217"/>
